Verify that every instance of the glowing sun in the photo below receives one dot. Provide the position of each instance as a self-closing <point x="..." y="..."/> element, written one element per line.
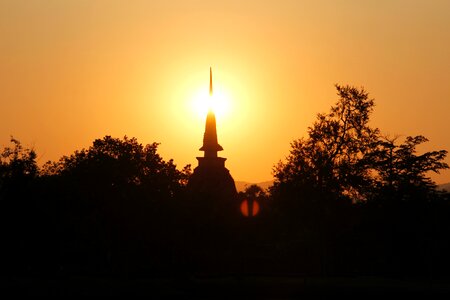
<point x="219" y="102"/>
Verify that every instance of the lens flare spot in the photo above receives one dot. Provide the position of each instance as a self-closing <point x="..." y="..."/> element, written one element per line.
<point x="249" y="208"/>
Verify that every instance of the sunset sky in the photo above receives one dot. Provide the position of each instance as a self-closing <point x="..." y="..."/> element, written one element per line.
<point x="73" y="70"/>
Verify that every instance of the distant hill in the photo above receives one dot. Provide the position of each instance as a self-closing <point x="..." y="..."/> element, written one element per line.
<point x="445" y="186"/>
<point x="242" y="185"/>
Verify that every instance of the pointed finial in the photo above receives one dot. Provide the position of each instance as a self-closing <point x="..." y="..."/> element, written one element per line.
<point x="210" y="82"/>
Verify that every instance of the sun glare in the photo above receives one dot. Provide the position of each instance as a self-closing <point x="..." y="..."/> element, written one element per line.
<point x="218" y="102"/>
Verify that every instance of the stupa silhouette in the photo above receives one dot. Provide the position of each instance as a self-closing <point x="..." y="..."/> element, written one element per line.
<point x="211" y="183"/>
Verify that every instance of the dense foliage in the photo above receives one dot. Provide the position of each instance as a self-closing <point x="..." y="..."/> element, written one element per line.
<point x="347" y="200"/>
<point x="363" y="199"/>
<point x="345" y="158"/>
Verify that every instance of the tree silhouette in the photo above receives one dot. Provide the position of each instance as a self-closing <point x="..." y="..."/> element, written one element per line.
<point x="18" y="171"/>
<point x="344" y="158"/>
<point x="401" y="173"/>
<point x="106" y="208"/>
<point x="17" y="165"/>
<point x="111" y="163"/>
<point x="333" y="160"/>
<point x="347" y="200"/>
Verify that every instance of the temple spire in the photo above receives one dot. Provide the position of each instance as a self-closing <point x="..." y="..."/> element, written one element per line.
<point x="210" y="82"/>
<point x="211" y="186"/>
<point x="210" y="143"/>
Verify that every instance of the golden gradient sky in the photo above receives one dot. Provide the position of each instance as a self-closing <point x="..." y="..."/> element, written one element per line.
<point x="74" y="70"/>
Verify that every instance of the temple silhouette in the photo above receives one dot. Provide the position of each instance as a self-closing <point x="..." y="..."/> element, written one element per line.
<point x="211" y="183"/>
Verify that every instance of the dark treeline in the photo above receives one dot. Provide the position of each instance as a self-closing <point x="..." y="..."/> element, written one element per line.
<point x="346" y="201"/>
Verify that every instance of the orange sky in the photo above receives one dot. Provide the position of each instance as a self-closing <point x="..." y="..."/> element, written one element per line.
<point x="73" y="71"/>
